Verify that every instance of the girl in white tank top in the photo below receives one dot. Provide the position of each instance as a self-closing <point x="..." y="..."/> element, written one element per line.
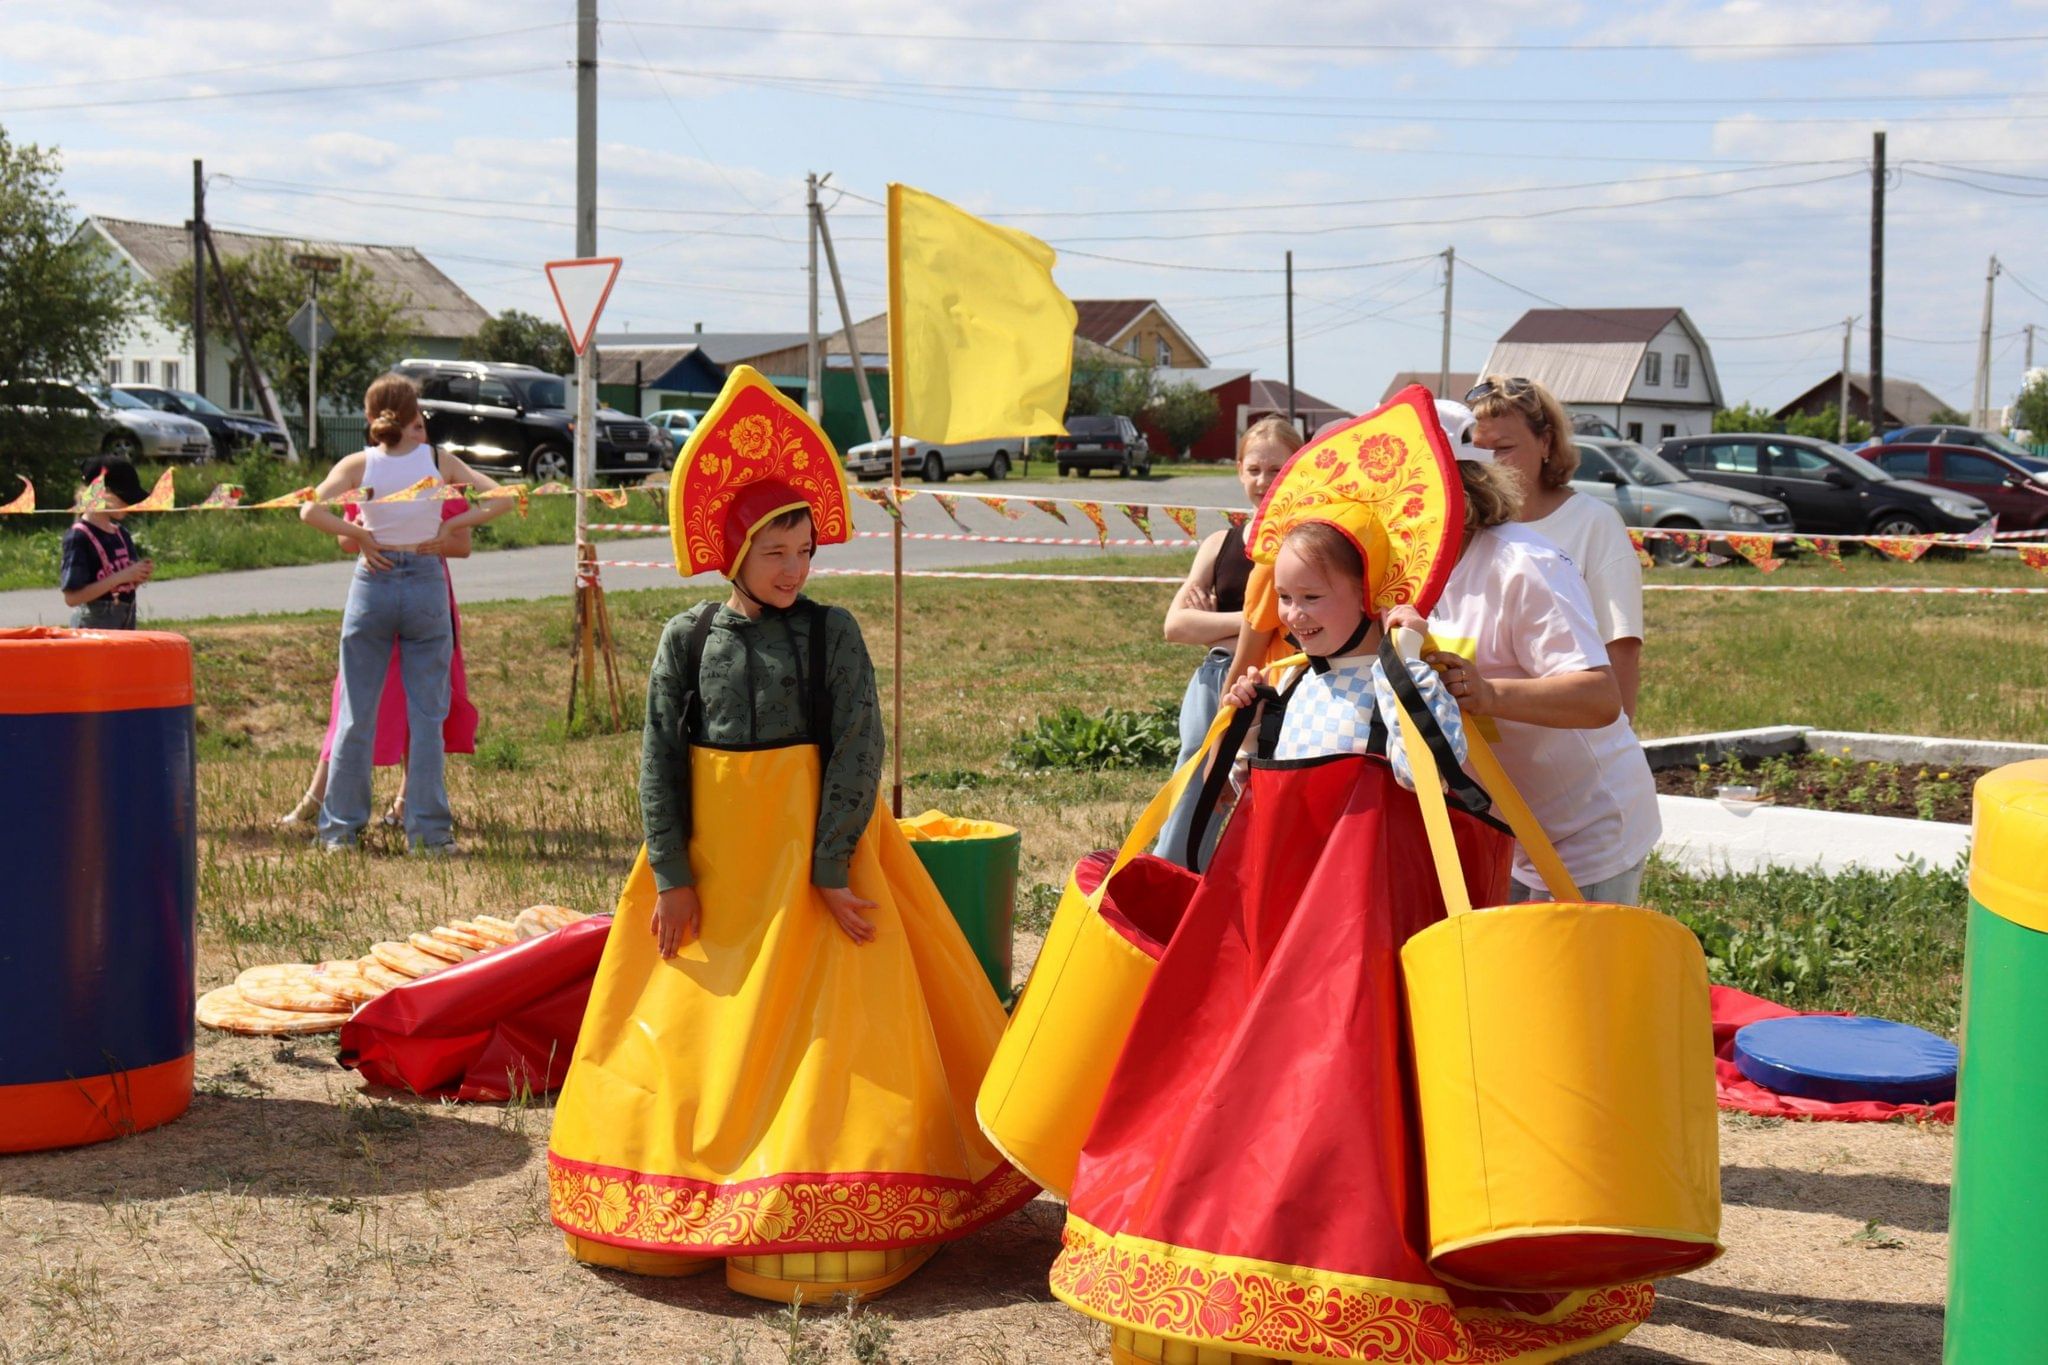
<point x="399" y="523"/>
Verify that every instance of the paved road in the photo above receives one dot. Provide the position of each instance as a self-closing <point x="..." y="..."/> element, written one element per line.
<point x="544" y="571"/>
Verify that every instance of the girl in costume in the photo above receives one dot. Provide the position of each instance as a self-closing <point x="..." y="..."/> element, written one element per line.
<point x="777" y="1068"/>
<point x="1209" y="611"/>
<point x="1252" y="1184"/>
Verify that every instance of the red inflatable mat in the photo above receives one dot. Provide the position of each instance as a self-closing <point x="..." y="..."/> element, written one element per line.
<point x="1732" y="1009"/>
<point x="503" y="1022"/>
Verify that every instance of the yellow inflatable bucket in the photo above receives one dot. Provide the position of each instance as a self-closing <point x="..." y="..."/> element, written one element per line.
<point x="1047" y="1078"/>
<point x="1564" y="1061"/>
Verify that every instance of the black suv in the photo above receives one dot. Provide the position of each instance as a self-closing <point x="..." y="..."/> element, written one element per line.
<point x="1106" y="442"/>
<point x="517" y="417"/>
<point x="1829" y="490"/>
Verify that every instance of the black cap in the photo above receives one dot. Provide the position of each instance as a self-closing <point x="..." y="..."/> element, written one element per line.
<point x="121" y="479"/>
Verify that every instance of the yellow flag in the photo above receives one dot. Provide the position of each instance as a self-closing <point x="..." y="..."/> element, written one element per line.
<point x="981" y="341"/>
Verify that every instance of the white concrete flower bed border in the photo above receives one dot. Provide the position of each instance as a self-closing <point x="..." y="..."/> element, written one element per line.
<point x="1704" y="836"/>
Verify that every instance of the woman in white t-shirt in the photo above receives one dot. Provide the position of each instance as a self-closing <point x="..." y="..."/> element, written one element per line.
<point x="1519" y="644"/>
<point x="1528" y="431"/>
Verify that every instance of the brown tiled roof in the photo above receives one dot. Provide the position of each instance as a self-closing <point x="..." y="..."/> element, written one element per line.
<point x="1908" y="403"/>
<point x="1270" y="395"/>
<point x="435" y="306"/>
<point x="1590" y="324"/>
<point x="1101" y="320"/>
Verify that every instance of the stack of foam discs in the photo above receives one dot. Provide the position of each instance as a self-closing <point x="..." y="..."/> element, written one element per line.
<point x="318" y="997"/>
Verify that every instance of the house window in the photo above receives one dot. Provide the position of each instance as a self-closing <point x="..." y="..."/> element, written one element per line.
<point x="171" y="374"/>
<point x="1653" y="368"/>
<point x="1681" y="371"/>
<point x="113" y="371"/>
<point x="1635" y="432"/>
<point x="1666" y="431"/>
<point x="140" y="369"/>
<point x="1131" y="347"/>
<point x="1165" y="351"/>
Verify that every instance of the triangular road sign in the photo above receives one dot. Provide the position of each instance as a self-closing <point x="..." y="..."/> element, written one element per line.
<point x="581" y="288"/>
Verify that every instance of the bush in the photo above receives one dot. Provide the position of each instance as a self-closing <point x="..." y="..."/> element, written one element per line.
<point x="1072" y="738"/>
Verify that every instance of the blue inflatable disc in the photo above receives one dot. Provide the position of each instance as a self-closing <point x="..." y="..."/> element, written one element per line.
<point x="1845" y="1060"/>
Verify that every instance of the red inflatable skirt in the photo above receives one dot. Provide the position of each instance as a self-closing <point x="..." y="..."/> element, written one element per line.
<point x="501" y="1024"/>
<point x="1253" y="1180"/>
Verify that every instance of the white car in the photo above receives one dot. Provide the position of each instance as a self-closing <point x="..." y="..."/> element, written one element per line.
<point x="935" y="463"/>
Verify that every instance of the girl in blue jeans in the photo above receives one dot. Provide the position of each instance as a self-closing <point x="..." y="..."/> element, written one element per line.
<point x="399" y="593"/>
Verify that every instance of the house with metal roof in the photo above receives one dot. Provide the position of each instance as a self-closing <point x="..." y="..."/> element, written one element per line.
<point x="438" y="314"/>
<point x="1906" y="403"/>
<point x="1646" y="370"/>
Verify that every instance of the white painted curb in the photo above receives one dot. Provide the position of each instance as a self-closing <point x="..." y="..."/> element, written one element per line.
<point x="1703" y="836"/>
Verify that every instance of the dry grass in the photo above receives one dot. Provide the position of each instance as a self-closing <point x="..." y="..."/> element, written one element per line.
<point x="289" y="1216"/>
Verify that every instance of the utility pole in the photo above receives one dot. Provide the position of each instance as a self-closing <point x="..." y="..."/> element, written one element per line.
<point x="1443" y="371"/>
<point x="2030" y="356"/>
<point x="1877" y="284"/>
<point x="313" y="374"/>
<point x="586" y="247"/>
<point x="814" y="386"/>
<point x="1842" y="427"/>
<point x="1980" y="413"/>
<point x="1291" y="420"/>
<point x="198" y="277"/>
<point x="860" y="369"/>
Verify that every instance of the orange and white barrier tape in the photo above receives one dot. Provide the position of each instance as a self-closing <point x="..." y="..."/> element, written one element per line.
<point x="930" y="573"/>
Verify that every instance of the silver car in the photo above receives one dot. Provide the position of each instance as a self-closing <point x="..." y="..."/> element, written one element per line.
<point x="128" y="426"/>
<point x="1649" y="491"/>
<point x="935" y="463"/>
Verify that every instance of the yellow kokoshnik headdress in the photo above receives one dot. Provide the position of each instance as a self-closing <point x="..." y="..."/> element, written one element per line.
<point x="1388" y="481"/>
<point x="754" y="456"/>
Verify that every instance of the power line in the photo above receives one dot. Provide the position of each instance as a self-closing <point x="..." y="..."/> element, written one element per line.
<point x="415" y="45"/>
<point x="265" y="183"/>
<point x="1463" y="49"/>
<point x="289" y="91"/>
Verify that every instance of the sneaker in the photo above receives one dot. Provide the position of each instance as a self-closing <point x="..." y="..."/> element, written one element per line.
<point x="334" y="847"/>
<point x="446" y="849"/>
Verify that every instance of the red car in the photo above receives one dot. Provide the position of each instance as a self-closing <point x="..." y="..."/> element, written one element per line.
<point x="2017" y="494"/>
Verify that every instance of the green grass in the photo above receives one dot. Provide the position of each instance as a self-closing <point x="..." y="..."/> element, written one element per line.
<point x="551" y="816"/>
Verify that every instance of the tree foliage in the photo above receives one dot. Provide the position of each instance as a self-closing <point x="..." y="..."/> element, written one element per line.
<point x="518" y="338"/>
<point x="63" y="306"/>
<point x="370" y="334"/>
<point x="1183" y="414"/>
<point x="2030" y="409"/>
<point x="1100" y="388"/>
<point x="1824" y="425"/>
<point x="1948" y="417"/>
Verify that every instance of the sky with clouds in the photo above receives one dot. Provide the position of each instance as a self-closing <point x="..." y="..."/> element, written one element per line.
<point x="1712" y="156"/>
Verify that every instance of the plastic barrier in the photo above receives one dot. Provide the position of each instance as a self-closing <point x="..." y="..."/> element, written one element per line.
<point x="98" y="811"/>
<point x="1996" y="1310"/>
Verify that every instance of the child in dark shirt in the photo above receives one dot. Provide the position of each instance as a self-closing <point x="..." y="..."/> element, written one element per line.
<point x="101" y="568"/>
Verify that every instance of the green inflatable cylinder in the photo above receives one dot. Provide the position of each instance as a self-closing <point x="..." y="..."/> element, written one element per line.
<point x="1998" y="1260"/>
<point x="974" y="865"/>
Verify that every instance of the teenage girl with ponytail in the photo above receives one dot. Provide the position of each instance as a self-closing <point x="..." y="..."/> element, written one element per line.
<point x="399" y="595"/>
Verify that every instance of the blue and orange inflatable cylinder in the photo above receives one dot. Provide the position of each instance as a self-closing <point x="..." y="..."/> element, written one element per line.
<point x="99" y="819"/>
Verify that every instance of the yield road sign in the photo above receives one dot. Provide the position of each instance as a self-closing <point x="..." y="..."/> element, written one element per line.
<point x="581" y="288"/>
<point x="301" y="328"/>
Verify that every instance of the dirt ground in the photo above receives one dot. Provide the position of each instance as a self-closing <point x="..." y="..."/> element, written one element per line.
<point x="291" y="1217"/>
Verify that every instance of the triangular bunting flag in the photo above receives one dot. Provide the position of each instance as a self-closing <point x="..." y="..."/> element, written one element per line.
<point x="511" y="490"/>
<point x="1635" y="538"/>
<point x="93" y="497"/>
<point x="2035" y="557"/>
<point x="354" y="495"/>
<point x="1237" y="519"/>
<point x="298" y="497"/>
<point x="1051" y="509"/>
<point x="880" y="498"/>
<point x="553" y="488"/>
<point x="162" y="498"/>
<point x="614" y="498"/>
<point x="1827" y="547"/>
<point x="1139" y="515"/>
<point x="412" y="491"/>
<point x="1757" y="550"/>
<point x="1905" y="549"/>
<point x="1002" y="505"/>
<point x="24" y="501"/>
<point x="1093" y="511"/>
<point x="1183" y="517"/>
<point x="948" y="502"/>
<point x="224" y="495"/>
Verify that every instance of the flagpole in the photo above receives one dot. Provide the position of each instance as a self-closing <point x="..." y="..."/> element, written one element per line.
<point x="896" y="358"/>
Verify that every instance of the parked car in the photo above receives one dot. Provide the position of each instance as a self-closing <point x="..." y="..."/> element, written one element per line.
<point x="1103" y="443"/>
<point x="1956" y="436"/>
<point x="676" y="423"/>
<point x="516" y="417"/>
<point x="229" y="431"/>
<point x="1650" y="492"/>
<point x="1589" y="424"/>
<point x="935" y="463"/>
<point x="123" y="426"/>
<point x="1830" y="490"/>
<point x="2016" y="494"/>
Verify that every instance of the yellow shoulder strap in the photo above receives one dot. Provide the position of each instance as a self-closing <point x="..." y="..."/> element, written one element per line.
<point x="1153" y="818"/>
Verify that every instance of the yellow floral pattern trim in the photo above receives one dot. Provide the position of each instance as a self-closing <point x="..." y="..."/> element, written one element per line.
<point x="1254" y="1308"/>
<point x="1384" y="467"/>
<point x="794" y="1213"/>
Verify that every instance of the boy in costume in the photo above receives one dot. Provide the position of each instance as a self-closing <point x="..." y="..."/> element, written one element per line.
<point x="777" y="1069"/>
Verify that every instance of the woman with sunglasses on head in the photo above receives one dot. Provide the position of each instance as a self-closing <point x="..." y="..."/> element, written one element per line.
<point x="1522" y="644"/>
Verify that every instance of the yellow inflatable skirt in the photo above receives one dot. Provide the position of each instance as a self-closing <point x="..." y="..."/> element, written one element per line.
<point x="775" y="1097"/>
